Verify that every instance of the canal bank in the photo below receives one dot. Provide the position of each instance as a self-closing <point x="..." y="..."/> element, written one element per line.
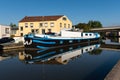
<point x="114" y="74"/>
<point x="11" y="46"/>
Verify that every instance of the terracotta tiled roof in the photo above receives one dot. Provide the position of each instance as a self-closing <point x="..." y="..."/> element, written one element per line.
<point x="40" y="18"/>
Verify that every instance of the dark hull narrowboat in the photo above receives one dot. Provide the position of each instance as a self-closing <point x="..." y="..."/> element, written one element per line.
<point x="67" y="38"/>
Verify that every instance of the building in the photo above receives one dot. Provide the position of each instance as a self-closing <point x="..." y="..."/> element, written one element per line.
<point x="14" y="31"/>
<point x="5" y="31"/>
<point x="43" y="24"/>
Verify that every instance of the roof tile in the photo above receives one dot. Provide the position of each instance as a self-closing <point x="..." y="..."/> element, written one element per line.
<point x="40" y="18"/>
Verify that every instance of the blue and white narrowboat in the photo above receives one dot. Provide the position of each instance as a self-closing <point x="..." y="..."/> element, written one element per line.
<point x="65" y="38"/>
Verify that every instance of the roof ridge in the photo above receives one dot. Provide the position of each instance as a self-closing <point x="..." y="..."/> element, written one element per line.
<point x="40" y="18"/>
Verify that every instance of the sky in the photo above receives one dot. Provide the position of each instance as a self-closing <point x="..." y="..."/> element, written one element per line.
<point x="78" y="11"/>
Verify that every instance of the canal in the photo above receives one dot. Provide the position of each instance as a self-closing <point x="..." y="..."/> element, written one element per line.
<point x="76" y="62"/>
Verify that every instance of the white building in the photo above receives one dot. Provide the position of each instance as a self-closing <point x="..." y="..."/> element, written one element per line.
<point x="4" y="31"/>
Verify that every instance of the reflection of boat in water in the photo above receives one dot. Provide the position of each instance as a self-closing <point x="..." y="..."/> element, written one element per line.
<point x="59" y="55"/>
<point x="67" y="37"/>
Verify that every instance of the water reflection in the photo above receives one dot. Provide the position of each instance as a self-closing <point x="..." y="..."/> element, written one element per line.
<point x="57" y="55"/>
<point x="112" y="40"/>
<point x="95" y="52"/>
<point x="7" y="55"/>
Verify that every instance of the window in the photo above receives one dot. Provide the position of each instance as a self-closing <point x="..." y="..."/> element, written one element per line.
<point x="26" y="25"/>
<point x="21" y="34"/>
<point x="68" y="25"/>
<point x="61" y="42"/>
<point x="52" y="24"/>
<point x="32" y="31"/>
<point x="35" y="31"/>
<point x="64" y="25"/>
<point x="7" y="30"/>
<point x="90" y="48"/>
<point x="86" y="49"/>
<point x="86" y="34"/>
<point x="46" y="24"/>
<point x="41" y="24"/>
<point x="43" y="31"/>
<point x="90" y="34"/>
<point x="49" y="30"/>
<point x="31" y="25"/>
<point x="64" y="18"/>
<point x="60" y="24"/>
<point x="21" y="28"/>
<point x="81" y="34"/>
<point x="70" y="41"/>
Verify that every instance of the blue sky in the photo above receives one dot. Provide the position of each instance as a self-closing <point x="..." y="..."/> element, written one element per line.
<point x="105" y="11"/>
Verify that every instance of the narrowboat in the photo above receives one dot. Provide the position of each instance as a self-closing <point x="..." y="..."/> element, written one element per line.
<point x="65" y="38"/>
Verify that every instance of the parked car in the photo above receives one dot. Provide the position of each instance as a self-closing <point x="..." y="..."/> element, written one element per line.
<point x="6" y="40"/>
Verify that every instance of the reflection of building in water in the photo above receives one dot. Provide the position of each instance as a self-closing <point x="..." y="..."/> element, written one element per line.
<point x="55" y="56"/>
<point x="119" y="40"/>
<point x="4" y="55"/>
<point x="4" y="58"/>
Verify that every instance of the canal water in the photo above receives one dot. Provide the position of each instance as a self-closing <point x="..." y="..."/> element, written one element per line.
<point x="76" y="62"/>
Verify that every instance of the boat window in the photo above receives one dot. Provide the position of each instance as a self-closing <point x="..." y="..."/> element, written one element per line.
<point x="90" y="34"/>
<point x="86" y="34"/>
<point x="61" y="50"/>
<point x="78" y="40"/>
<point x="81" y="34"/>
<point x="86" y="49"/>
<point x="90" y="48"/>
<point x="70" y="41"/>
<point x="61" y="42"/>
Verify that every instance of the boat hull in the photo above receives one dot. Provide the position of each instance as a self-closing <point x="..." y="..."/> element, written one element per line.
<point x="45" y="43"/>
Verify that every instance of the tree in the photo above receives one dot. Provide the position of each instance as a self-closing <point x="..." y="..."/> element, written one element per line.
<point x="13" y="25"/>
<point x="95" y="52"/>
<point x="95" y="24"/>
<point x="83" y="26"/>
<point x="87" y="26"/>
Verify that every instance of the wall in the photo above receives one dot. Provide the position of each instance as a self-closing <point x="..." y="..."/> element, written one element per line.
<point x="36" y="25"/>
<point x="19" y="39"/>
<point x="70" y="34"/>
<point x="119" y="33"/>
<point x="3" y="32"/>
